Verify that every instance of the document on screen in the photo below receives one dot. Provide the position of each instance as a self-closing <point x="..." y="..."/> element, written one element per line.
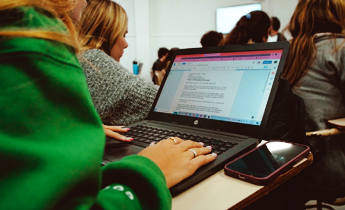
<point x="205" y="93"/>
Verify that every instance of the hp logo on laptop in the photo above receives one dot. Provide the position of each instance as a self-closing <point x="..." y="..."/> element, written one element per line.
<point x="196" y="122"/>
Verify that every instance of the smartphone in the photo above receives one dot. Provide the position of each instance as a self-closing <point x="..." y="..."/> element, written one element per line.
<point x="267" y="162"/>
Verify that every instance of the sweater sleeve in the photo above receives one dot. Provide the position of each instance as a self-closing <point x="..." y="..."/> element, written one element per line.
<point x="136" y="180"/>
<point x="121" y="98"/>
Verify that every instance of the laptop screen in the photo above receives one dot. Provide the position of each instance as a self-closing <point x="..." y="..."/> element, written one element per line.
<point x="232" y="87"/>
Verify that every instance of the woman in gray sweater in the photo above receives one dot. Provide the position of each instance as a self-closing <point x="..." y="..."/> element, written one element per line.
<point x="119" y="96"/>
<point x="316" y="68"/>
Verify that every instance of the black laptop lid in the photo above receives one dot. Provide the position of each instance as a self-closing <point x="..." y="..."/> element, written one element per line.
<point x="227" y="88"/>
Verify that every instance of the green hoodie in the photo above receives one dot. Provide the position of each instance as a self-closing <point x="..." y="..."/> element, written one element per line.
<point x="51" y="137"/>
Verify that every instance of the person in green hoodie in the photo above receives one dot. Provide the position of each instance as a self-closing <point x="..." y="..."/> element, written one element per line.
<point x="51" y="137"/>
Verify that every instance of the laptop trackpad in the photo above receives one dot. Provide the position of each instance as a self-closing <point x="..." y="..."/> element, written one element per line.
<point x="117" y="153"/>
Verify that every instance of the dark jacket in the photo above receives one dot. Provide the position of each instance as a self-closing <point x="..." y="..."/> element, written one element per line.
<point x="281" y="37"/>
<point x="286" y="120"/>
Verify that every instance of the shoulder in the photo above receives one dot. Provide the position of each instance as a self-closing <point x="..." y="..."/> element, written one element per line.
<point x="32" y="47"/>
<point x="98" y="59"/>
<point x="97" y="56"/>
<point x="30" y="18"/>
<point x="96" y="63"/>
<point x="330" y="44"/>
<point x="94" y="53"/>
<point x="328" y="39"/>
<point x="330" y="52"/>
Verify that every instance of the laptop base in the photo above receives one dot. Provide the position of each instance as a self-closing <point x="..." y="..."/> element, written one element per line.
<point x="116" y="150"/>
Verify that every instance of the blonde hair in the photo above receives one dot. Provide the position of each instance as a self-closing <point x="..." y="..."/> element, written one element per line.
<point x="103" y="21"/>
<point x="59" y="8"/>
<point x="311" y="17"/>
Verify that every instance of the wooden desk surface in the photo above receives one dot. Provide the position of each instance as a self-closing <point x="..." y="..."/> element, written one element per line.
<point x="223" y="192"/>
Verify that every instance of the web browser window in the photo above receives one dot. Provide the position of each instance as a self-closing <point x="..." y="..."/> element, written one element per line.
<point x="233" y="87"/>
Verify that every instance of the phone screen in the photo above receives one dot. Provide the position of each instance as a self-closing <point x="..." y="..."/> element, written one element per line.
<point x="266" y="159"/>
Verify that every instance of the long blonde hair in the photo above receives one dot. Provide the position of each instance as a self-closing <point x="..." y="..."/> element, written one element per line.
<point x="59" y="8"/>
<point x="311" y="17"/>
<point x="103" y="21"/>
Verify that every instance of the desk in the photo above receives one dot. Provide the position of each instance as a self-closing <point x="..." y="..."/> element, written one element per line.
<point x="223" y="192"/>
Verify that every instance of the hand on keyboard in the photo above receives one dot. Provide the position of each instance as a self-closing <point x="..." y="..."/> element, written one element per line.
<point x="144" y="135"/>
<point x="111" y="131"/>
<point x="178" y="160"/>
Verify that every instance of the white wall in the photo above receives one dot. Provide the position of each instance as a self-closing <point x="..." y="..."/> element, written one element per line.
<point x="180" y="23"/>
<point x="130" y="52"/>
<point x="282" y="9"/>
<point x="138" y="37"/>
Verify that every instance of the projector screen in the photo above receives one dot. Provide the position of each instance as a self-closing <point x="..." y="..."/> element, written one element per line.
<point x="227" y="17"/>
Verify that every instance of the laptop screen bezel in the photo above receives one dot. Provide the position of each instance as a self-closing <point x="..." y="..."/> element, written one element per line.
<point x="229" y="127"/>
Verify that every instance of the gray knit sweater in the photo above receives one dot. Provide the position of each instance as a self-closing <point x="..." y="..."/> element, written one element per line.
<point x="323" y="91"/>
<point x="323" y="86"/>
<point x="119" y="96"/>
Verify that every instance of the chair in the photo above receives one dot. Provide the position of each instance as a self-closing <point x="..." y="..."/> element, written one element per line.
<point x="319" y="204"/>
<point x="339" y="129"/>
<point x="286" y="119"/>
<point x="159" y="75"/>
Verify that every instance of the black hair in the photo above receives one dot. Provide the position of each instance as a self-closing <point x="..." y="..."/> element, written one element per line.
<point x="162" y="51"/>
<point x="211" y="39"/>
<point x="168" y="58"/>
<point x="253" y="26"/>
<point x="275" y="23"/>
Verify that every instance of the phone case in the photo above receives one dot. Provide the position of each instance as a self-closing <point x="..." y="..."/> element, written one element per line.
<point x="266" y="180"/>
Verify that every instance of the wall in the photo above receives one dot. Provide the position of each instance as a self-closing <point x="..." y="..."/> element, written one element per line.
<point x="180" y="23"/>
<point x="138" y="37"/>
<point x="130" y="52"/>
<point x="282" y="9"/>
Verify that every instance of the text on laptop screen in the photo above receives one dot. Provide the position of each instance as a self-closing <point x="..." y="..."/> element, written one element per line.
<point x="233" y="87"/>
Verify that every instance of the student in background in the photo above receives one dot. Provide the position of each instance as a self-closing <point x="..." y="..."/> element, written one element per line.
<point x="211" y="39"/>
<point x="51" y="137"/>
<point x="162" y="54"/>
<point x="164" y="65"/>
<point x="162" y="68"/>
<point x="251" y="28"/>
<point x="120" y="97"/>
<point x="316" y="68"/>
<point x="275" y="36"/>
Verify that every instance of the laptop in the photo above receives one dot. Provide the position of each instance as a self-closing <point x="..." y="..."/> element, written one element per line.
<point x="221" y="96"/>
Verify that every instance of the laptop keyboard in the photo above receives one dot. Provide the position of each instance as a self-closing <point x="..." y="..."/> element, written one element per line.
<point x="144" y="135"/>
